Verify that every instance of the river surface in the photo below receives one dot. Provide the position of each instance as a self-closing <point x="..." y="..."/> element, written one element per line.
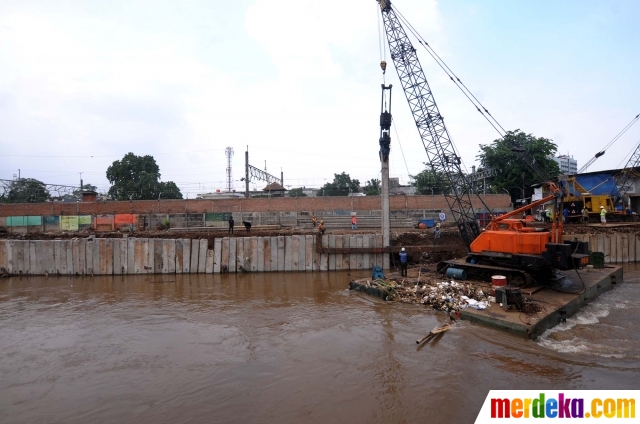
<point x="280" y="348"/>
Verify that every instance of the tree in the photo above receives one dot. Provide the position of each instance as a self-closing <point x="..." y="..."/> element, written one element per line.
<point x="26" y="190"/>
<point x="138" y="177"/>
<point x="430" y="181"/>
<point x="372" y="187"/>
<point x="512" y="173"/>
<point x="342" y="185"/>
<point x="296" y="192"/>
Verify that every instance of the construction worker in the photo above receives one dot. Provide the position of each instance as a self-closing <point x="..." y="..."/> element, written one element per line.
<point x="603" y="215"/>
<point x="585" y="215"/>
<point x="353" y="222"/>
<point x="547" y="215"/>
<point x="321" y="227"/>
<point x="437" y="231"/>
<point x="403" y="262"/>
<point x="231" y="222"/>
<point x="314" y="221"/>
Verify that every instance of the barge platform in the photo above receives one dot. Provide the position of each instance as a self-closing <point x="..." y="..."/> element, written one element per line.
<point x="555" y="305"/>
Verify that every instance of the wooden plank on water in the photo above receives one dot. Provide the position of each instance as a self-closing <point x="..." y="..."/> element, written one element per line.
<point x="625" y="247"/>
<point x="274" y="253"/>
<point x="195" y="255"/>
<point x="302" y="256"/>
<point x="233" y="248"/>
<point x="366" y="257"/>
<point x="202" y="256"/>
<point x="260" y="254"/>
<point x="217" y="255"/>
<point x="310" y="246"/>
<point x="179" y="263"/>
<point x="186" y="256"/>
<point x="324" y="259"/>
<point x="224" y="261"/>
<point x="209" y="261"/>
<point x="241" y="266"/>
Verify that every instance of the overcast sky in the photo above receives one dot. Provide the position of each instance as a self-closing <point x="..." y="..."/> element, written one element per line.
<point x="84" y="82"/>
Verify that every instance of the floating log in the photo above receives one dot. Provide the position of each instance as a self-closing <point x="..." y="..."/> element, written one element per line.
<point x="434" y="332"/>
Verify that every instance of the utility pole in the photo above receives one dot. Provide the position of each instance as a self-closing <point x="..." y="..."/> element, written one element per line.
<point x="246" y="172"/>
<point x="385" y="150"/>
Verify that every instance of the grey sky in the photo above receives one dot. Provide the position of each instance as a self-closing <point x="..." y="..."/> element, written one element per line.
<point x="83" y="83"/>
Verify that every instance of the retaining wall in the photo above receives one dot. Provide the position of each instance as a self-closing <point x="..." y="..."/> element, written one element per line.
<point x="620" y="248"/>
<point x="101" y="256"/>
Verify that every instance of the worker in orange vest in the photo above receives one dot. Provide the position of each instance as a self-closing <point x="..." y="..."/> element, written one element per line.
<point x="353" y="222"/>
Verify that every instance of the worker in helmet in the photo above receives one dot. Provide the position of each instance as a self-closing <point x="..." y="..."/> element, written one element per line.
<point x="603" y="215"/>
<point x="403" y="262"/>
<point x="321" y="227"/>
<point x="314" y="220"/>
<point x="437" y="231"/>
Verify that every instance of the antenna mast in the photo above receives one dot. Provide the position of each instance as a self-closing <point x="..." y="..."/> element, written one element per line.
<point x="229" y="152"/>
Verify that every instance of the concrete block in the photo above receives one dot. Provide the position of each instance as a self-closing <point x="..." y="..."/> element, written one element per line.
<point x="253" y="242"/>
<point x="301" y="252"/>
<point x="266" y="250"/>
<point x="260" y="254"/>
<point x="217" y="255"/>
<point x="281" y="250"/>
<point x="332" y="256"/>
<point x="274" y="253"/>
<point x="241" y="266"/>
<point x="310" y="246"/>
<point x="366" y="243"/>
<point x="195" y="255"/>
<point x="131" y="256"/>
<point x="324" y="259"/>
<point x="209" y="261"/>
<point x="233" y="247"/>
<point x="186" y="256"/>
<point x="34" y="260"/>
<point x="202" y="256"/>
<point x="288" y="248"/>
<point x="224" y="264"/>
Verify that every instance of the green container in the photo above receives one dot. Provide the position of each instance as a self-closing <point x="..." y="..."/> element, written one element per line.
<point x="597" y="259"/>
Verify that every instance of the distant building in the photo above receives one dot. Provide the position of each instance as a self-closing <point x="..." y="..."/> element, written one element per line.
<point x="274" y="190"/>
<point x="568" y="165"/>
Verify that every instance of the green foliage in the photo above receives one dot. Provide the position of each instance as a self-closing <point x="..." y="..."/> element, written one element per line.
<point x="296" y="192"/>
<point x="513" y="174"/>
<point x="430" y="181"/>
<point x="342" y="185"/>
<point x="26" y="190"/>
<point x="138" y="177"/>
<point x="372" y="187"/>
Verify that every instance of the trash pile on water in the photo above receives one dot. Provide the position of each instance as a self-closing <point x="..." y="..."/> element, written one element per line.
<point x="451" y="296"/>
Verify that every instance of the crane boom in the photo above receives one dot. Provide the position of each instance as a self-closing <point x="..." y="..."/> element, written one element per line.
<point x="624" y="184"/>
<point x="441" y="153"/>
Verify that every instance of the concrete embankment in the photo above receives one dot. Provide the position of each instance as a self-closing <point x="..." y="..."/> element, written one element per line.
<point x="108" y="256"/>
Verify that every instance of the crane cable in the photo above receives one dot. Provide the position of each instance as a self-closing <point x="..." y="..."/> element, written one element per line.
<point x="454" y="78"/>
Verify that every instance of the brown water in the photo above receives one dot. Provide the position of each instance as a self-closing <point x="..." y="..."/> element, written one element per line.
<point x="280" y="348"/>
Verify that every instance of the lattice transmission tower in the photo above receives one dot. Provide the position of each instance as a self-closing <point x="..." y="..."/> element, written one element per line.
<point x="229" y="152"/>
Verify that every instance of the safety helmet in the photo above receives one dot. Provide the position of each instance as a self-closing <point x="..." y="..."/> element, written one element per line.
<point x="321" y="221"/>
<point x="402" y="250"/>
<point x="601" y="207"/>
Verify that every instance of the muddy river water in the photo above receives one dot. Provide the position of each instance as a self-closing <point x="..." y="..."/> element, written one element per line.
<point x="280" y="348"/>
